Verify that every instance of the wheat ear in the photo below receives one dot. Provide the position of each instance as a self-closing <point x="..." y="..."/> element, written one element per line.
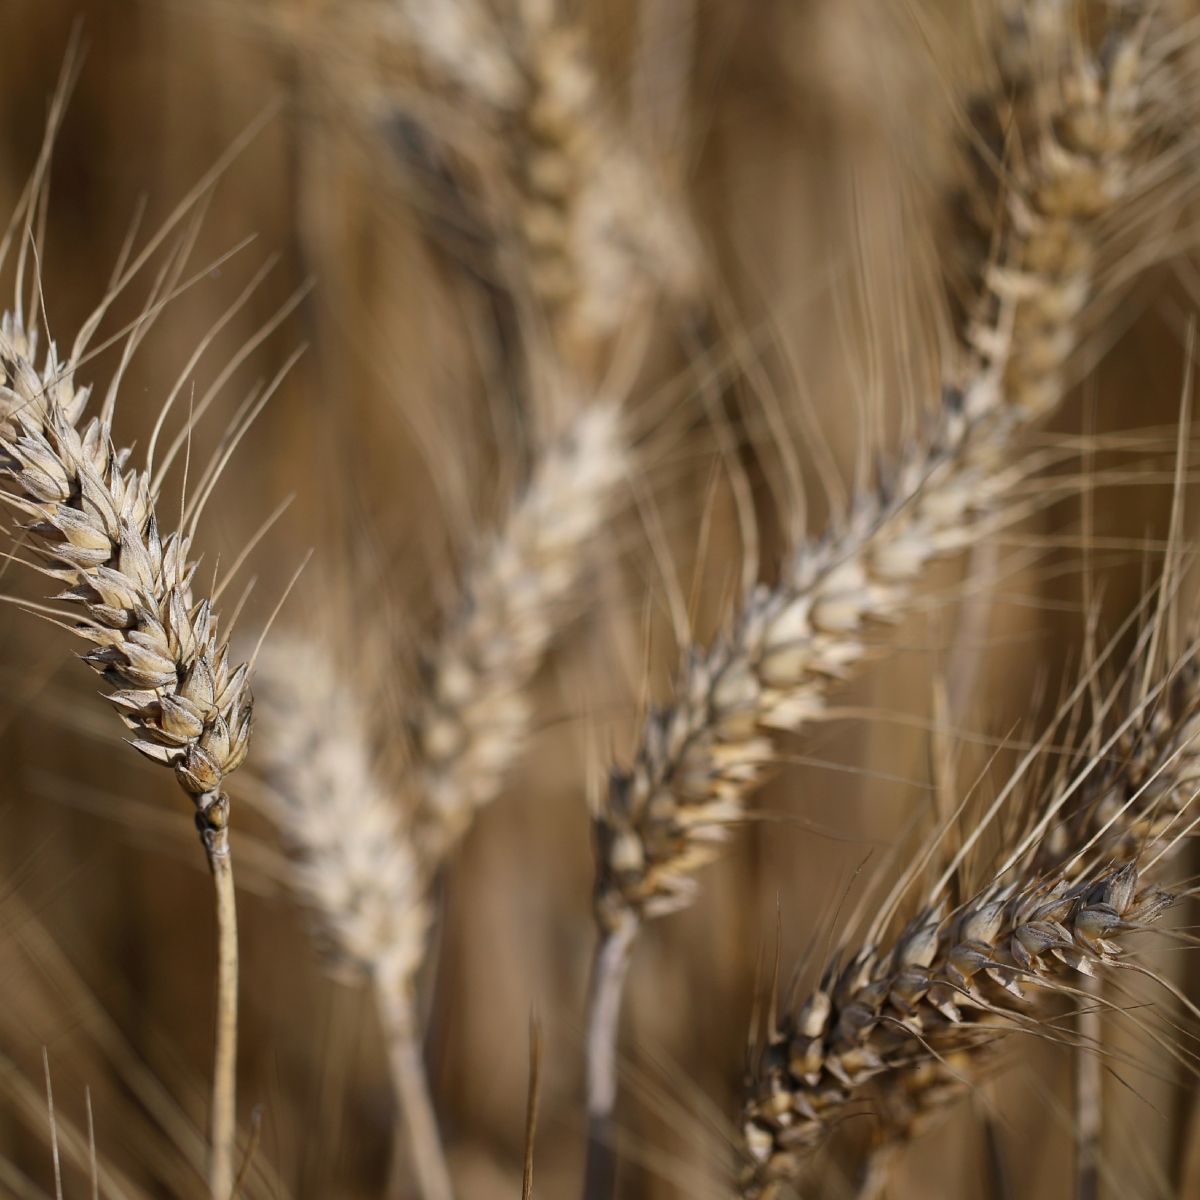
<point x="367" y="857"/>
<point x="593" y="220"/>
<point x="93" y="526"/>
<point x="1087" y="132"/>
<point x="904" y="1025"/>
<point x="358" y="872"/>
<point x="517" y="594"/>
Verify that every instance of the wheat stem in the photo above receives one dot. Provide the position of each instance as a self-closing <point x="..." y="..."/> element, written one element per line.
<point x="1089" y="1078"/>
<point x="417" y="1127"/>
<point x="224" y="1086"/>
<point x="609" y="968"/>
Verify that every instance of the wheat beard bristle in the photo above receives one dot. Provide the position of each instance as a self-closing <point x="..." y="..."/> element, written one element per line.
<point x="517" y="596"/>
<point x="910" y="1026"/>
<point x="1147" y="803"/>
<point x="1090" y="132"/>
<point x="93" y="526"/>
<point x="936" y="998"/>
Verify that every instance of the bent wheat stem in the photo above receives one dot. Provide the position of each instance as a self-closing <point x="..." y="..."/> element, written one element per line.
<point x="603" y="1019"/>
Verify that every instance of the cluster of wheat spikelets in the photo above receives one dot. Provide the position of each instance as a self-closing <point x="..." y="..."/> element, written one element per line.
<point x="552" y="451"/>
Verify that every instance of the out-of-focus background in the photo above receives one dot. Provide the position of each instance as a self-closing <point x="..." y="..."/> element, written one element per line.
<point x="812" y="141"/>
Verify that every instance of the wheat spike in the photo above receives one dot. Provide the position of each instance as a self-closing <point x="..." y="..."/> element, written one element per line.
<point x="905" y="1026"/>
<point x="516" y="596"/>
<point x="357" y="871"/>
<point x="1090" y="157"/>
<point x="1087" y="130"/>
<point x="359" y="874"/>
<point x="93" y="525"/>
<point x="592" y="215"/>
<point x="508" y="112"/>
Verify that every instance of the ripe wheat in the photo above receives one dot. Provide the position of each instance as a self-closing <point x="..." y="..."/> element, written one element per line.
<point x="904" y="1026"/>
<point x="1081" y="141"/>
<point x="1091" y="130"/>
<point x="92" y="525"/>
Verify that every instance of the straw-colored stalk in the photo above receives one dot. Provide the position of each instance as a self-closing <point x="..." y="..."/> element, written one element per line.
<point x="357" y="872"/>
<point x="904" y="1027"/>
<point x="1083" y="146"/>
<point x="92" y="526"/>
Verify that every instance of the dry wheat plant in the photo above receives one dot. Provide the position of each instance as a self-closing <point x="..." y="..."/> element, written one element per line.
<point x="656" y="538"/>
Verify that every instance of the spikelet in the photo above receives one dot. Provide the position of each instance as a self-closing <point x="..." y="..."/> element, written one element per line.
<point x="517" y="595"/>
<point x="92" y="524"/>
<point x="357" y="871"/>
<point x="944" y="992"/>
<point x="1088" y="129"/>
<point x="906" y="1026"/>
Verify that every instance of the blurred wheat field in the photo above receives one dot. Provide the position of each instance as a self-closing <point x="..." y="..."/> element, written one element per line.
<point x="813" y="144"/>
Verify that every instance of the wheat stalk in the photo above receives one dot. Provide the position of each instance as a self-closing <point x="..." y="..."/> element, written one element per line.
<point x="905" y="1025"/>
<point x="358" y="872"/>
<point x="93" y="526"/>
<point x="1084" y="148"/>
